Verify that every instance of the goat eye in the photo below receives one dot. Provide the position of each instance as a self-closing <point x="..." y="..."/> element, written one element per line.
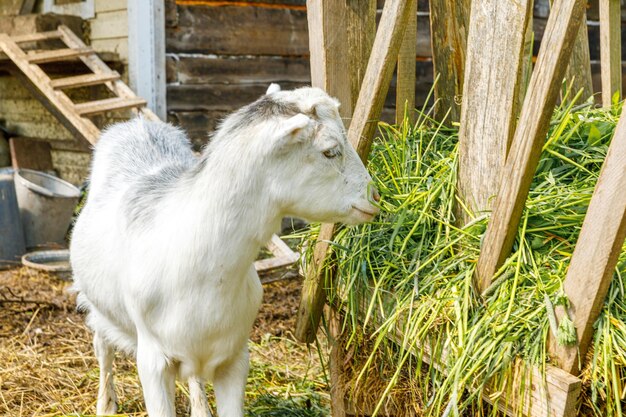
<point x="332" y="152"/>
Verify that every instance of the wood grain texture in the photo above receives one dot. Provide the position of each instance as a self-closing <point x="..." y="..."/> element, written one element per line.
<point x="328" y="45"/>
<point x="405" y="78"/>
<point x="493" y="73"/>
<point x="595" y="256"/>
<point x="378" y="75"/>
<point x="220" y="30"/>
<point x="532" y="127"/>
<point x="361" y="28"/>
<point x="579" y="69"/>
<point x="610" y="50"/>
<point x="329" y="49"/>
<point x="449" y="22"/>
<point x="97" y="66"/>
<point x="55" y="101"/>
<point x="367" y="111"/>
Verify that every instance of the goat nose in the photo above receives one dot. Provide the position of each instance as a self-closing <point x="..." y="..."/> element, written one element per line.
<point x="375" y="195"/>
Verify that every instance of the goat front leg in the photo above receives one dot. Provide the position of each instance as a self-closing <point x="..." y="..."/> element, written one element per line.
<point x="107" y="400"/>
<point x="230" y="385"/>
<point x="197" y="398"/>
<point x="158" y="379"/>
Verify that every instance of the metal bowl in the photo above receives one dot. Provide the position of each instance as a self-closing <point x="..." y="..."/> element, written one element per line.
<point x="54" y="261"/>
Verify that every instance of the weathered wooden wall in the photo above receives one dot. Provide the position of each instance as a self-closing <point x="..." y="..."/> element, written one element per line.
<point x="223" y="54"/>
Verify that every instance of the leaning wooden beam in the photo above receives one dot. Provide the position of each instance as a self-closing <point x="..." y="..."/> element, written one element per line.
<point x="493" y="70"/>
<point x="364" y="121"/>
<point x="610" y="50"/>
<point x="405" y="85"/>
<point x="533" y="124"/>
<point x="449" y="23"/>
<point x="597" y="250"/>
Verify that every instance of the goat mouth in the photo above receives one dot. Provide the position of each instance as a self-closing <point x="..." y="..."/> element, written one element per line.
<point x="368" y="213"/>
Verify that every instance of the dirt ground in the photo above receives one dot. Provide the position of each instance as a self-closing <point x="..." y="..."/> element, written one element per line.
<point x="47" y="367"/>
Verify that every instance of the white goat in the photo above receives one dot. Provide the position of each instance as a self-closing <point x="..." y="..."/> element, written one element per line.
<point x="163" y="250"/>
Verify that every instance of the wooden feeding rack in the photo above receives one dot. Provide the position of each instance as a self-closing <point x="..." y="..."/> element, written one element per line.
<point x="26" y="66"/>
<point x="512" y="109"/>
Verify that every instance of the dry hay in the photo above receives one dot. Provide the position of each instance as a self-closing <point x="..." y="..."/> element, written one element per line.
<point x="48" y="367"/>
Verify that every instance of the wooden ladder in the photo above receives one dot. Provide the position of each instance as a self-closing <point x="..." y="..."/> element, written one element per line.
<point x="73" y="115"/>
<point x="51" y="92"/>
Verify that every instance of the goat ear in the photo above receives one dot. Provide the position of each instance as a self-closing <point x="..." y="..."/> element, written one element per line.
<point x="273" y="88"/>
<point x="295" y="128"/>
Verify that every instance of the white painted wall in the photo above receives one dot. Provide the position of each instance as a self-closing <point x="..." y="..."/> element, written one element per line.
<point x="146" y="52"/>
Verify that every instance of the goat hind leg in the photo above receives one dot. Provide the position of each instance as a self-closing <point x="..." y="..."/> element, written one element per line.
<point x="107" y="400"/>
<point x="197" y="398"/>
<point x="230" y="384"/>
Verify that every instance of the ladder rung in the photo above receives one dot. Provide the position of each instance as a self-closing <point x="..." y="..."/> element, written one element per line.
<point x="39" y="36"/>
<point x="109" y="104"/>
<point x="84" y="80"/>
<point x="58" y="55"/>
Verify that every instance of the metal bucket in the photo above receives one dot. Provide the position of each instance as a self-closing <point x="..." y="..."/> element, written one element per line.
<point x="46" y="206"/>
<point x="11" y="233"/>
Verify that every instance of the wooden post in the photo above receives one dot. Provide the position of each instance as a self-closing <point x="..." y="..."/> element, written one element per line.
<point x="494" y="68"/>
<point x="534" y="120"/>
<point x="364" y="121"/>
<point x="361" y="24"/>
<point x="610" y="50"/>
<point x="597" y="250"/>
<point x="449" y="23"/>
<point x="329" y="47"/>
<point x="405" y="88"/>
<point x="579" y="69"/>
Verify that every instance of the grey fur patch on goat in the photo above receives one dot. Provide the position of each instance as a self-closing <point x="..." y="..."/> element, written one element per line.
<point x="143" y="196"/>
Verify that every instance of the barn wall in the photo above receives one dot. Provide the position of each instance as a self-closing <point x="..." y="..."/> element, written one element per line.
<point x="223" y="54"/>
<point x="109" y="28"/>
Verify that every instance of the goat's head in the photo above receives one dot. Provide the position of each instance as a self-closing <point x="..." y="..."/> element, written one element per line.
<point x="314" y="172"/>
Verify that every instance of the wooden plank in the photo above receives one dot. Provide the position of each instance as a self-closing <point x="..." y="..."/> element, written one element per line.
<point x="95" y="64"/>
<point x="84" y="80"/>
<point x="361" y="28"/>
<point x="280" y="248"/>
<point x="579" y="69"/>
<point x="495" y="57"/>
<point x="57" y="55"/>
<point x="39" y="36"/>
<point x="30" y="154"/>
<point x="360" y="134"/>
<point x="113" y="24"/>
<point x="206" y="69"/>
<point x="405" y="87"/>
<point x="595" y="256"/>
<point x="56" y="102"/>
<point x="108" y="104"/>
<point x="610" y="50"/>
<point x="219" y="30"/>
<point x="449" y="22"/>
<point x="532" y="127"/>
<point x="109" y="5"/>
<point x="327" y="43"/>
